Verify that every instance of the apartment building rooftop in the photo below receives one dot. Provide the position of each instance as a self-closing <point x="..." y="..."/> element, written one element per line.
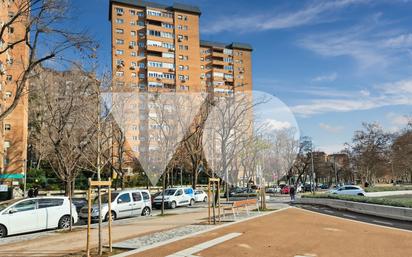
<point x="234" y="45"/>
<point x="145" y="4"/>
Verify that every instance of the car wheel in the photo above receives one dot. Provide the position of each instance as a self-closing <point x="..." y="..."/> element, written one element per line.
<point x="173" y="205"/>
<point x="192" y="202"/>
<point x="205" y="199"/>
<point x="3" y="231"/>
<point x="106" y="218"/>
<point x="64" y="222"/>
<point x="146" y="211"/>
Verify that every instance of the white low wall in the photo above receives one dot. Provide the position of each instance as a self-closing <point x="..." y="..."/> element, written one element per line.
<point x="398" y="213"/>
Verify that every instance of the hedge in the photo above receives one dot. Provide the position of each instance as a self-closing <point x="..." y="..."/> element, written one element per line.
<point x="362" y="199"/>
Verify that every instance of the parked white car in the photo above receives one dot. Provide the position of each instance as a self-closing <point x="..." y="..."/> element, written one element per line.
<point x="348" y="190"/>
<point x="200" y="196"/>
<point x="33" y="214"/>
<point x="126" y="203"/>
<point x="174" y="197"/>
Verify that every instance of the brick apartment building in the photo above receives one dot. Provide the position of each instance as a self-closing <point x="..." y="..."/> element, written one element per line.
<point x="13" y="132"/>
<point x="157" y="48"/>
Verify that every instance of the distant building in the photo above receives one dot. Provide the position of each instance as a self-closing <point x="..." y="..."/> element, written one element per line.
<point x="13" y="132"/>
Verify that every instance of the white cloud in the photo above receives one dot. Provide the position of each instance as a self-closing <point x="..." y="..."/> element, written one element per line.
<point x="389" y="94"/>
<point x="326" y="78"/>
<point x="330" y="128"/>
<point x="270" y="125"/>
<point x="373" y="43"/>
<point x="310" y="14"/>
<point x="398" y="120"/>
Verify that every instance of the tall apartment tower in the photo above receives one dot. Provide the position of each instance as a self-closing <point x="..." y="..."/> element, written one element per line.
<point x="155" y="47"/>
<point x="14" y="128"/>
<point x="226" y="68"/>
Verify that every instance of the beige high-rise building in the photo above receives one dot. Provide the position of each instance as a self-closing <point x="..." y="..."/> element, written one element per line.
<point x="14" y="128"/>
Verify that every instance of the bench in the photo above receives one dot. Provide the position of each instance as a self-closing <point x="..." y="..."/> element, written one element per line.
<point x="235" y="205"/>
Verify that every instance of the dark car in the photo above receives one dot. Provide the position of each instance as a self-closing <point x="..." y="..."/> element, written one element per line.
<point x="324" y="186"/>
<point x="79" y="203"/>
<point x="154" y="196"/>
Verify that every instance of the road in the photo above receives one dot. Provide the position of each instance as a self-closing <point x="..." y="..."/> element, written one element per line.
<point x="292" y="232"/>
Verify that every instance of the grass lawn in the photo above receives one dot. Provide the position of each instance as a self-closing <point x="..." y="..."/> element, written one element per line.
<point x="387" y="188"/>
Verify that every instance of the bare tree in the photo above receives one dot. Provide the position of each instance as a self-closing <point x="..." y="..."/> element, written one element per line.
<point x="67" y="97"/>
<point x="42" y="34"/>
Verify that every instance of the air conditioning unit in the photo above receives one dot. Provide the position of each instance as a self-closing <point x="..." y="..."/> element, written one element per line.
<point x="131" y="46"/>
<point x="119" y="66"/>
<point x="159" y="79"/>
<point x="179" y="40"/>
<point x="183" y="80"/>
<point x="171" y="69"/>
<point x="132" y="67"/>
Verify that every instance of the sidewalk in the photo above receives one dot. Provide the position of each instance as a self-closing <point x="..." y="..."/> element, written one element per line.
<point x="62" y="243"/>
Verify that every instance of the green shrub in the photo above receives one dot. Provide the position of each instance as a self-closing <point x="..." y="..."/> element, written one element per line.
<point x="362" y="199"/>
<point x="389" y="188"/>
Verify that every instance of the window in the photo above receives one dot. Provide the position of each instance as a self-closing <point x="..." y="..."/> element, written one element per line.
<point x="134" y="54"/>
<point x="120" y="62"/>
<point x="134" y="75"/>
<point x="179" y="17"/>
<point x="7" y="127"/>
<point x="140" y="23"/>
<point x="8" y="94"/>
<point x="6" y="145"/>
<point x="29" y="205"/>
<point x="142" y="65"/>
<point x="119" y="41"/>
<point x="146" y="196"/>
<point x="229" y="67"/>
<point x="154" y="13"/>
<point x="168" y="45"/>
<point x="168" y="65"/>
<point x="141" y="44"/>
<point x="119" y="11"/>
<point x="154" y="43"/>
<point x="47" y="203"/>
<point x="185" y="88"/>
<point x="153" y="33"/>
<point x="142" y="75"/>
<point x="119" y="52"/>
<point x="119" y="31"/>
<point x="119" y="84"/>
<point x="227" y="51"/>
<point x="132" y="23"/>
<point x="119" y="21"/>
<point x="169" y="76"/>
<point x="154" y="64"/>
<point x="132" y="43"/>
<point x="183" y="47"/>
<point x="167" y="35"/>
<point x="137" y="197"/>
<point x="124" y="198"/>
<point x="155" y="74"/>
<point x="11" y="30"/>
<point x="133" y="33"/>
<point x="140" y="14"/>
<point x="168" y="55"/>
<point x="119" y="73"/>
<point x="132" y="12"/>
<point x="167" y="25"/>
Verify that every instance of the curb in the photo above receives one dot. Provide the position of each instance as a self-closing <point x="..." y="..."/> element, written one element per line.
<point x="391" y="212"/>
<point x="145" y="248"/>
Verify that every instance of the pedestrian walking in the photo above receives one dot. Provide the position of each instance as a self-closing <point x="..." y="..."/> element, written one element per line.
<point x="31" y="193"/>
<point x="292" y="193"/>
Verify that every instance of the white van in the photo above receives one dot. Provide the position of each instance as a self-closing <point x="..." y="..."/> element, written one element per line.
<point x="179" y="196"/>
<point x="32" y="214"/>
<point x="125" y="203"/>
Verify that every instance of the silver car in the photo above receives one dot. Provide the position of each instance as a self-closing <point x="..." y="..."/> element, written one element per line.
<point x="126" y="203"/>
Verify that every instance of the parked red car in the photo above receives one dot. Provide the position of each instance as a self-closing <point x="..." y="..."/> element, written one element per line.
<point x="285" y="190"/>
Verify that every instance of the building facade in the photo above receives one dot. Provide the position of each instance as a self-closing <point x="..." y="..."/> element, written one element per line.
<point x="13" y="59"/>
<point x="158" y="48"/>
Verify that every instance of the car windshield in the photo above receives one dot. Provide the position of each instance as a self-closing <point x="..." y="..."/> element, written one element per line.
<point x="170" y="191"/>
<point x="5" y="204"/>
<point x="105" y="198"/>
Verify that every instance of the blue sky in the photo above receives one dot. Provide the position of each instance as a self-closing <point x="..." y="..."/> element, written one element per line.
<point x="335" y="63"/>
